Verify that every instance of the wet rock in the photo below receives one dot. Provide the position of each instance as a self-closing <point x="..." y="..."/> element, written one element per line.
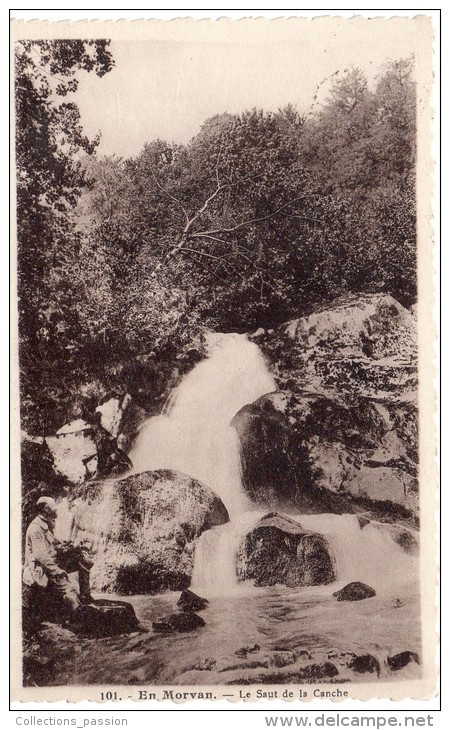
<point x="189" y="601"/>
<point x="244" y="650"/>
<point x="178" y="622"/>
<point x="143" y="529"/>
<point x="283" y="658"/>
<point x="341" y="657"/>
<point x="99" y="618"/>
<point x="364" y="663"/>
<point x="355" y="591"/>
<point x="268" y="454"/>
<point x="313" y="672"/>
<point x="398" y="661"/>
<point x="279" y="550"/>
<point x="103" y="618"/>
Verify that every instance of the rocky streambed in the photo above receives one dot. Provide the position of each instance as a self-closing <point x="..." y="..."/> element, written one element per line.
<point x="256" y="636"/>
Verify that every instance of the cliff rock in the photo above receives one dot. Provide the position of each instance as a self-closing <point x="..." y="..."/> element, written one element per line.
<point x="341" y="434"/>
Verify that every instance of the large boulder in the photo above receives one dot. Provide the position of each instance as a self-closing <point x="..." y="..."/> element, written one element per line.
<point x="143" y="529"/>
<point x="321" y="453"/>
<point x="341" y="434"/>
<point x="274" y="462"/>
<point x="279" y="551"/>
<point x="365" y="663"/>
<point x="81" y="450"/>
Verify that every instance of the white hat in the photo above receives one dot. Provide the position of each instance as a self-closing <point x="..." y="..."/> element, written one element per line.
<point x="49" y="502"/>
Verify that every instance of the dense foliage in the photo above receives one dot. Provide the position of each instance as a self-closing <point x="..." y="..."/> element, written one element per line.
<point x="259" y="217"/>
<point x="50" y="144"/>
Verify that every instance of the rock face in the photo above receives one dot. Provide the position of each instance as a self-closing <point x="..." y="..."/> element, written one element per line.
<point x="73" y="451"/>
<point x="143" y="529"/>
<point x="279" y="550"/>
<point x="82" y="448"/>
<point x="354" y="592"/>
<point x="341" y="433"/>
<point x="111" y="412"/>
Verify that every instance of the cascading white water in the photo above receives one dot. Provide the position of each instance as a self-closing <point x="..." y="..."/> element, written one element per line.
<point x="369" y="555"/>
<point x="195" y="435"/>
<point x="215" y="555"/>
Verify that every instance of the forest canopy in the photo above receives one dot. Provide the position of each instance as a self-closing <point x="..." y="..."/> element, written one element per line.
<point x="259" y="217"/>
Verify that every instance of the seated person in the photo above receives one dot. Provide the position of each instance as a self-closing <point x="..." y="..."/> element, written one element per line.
<point x="42" y="566"/>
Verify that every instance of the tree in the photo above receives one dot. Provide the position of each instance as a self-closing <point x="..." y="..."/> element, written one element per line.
<point x="49" y="146"/>
<point x="360" y="151"/>
<point x="224" y="210"/>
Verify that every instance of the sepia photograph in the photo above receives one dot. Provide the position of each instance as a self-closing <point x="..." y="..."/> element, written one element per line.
<point x="223" y="390"/>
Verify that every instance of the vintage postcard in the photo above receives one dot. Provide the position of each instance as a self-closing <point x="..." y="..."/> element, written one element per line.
<point x="224" y="479"/>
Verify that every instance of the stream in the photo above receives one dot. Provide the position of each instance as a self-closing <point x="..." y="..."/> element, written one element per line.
<point x="278" y="618"/>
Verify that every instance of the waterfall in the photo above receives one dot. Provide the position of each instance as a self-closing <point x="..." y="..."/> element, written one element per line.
<point x="369" y="554"/>
<point x="215" y="555"/>
<point x="194" y="435"/>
